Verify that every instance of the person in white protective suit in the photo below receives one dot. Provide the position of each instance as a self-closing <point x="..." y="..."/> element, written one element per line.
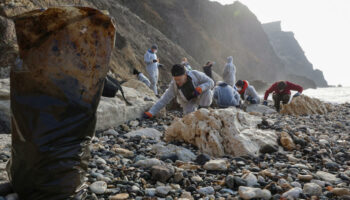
<point x="152" y="63"/>
<point x="229" y="74"/>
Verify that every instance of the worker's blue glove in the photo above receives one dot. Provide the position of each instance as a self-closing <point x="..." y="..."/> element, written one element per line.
<point x="253" y="101"/>
<point x="265" y="103"/>
<point x="249" y="98"/>
<point x="297" y="94"/>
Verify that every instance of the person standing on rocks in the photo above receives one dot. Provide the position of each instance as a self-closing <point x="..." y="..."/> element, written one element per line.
<point x="247" y="92"/>
<point x="141" y="77"/>
<point x="191" y="88"/>
<point x="152" y="63"/>
<point x="281" y="92"/>
<point x="185" y="63"/>
<point x="230" y="72"/>
<point x="225" y="95"/>
<point x="207" y="69"/>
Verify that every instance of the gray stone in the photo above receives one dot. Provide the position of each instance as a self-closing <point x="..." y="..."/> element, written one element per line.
<point x="257" y="108"/>
<point x="293" y="193"/>
<point x="150" y="192"/>
<point x="251" y="179"/>
<point x="148" y="163"/>
<point x="206" y="190"/>
<point x="182" y="153"/>
<point x="163" y="190"/>
<point x="100" y="161"/>
<point x="295" y="184"/>
<point x="98" y="187"/>
<point x="253" y="193"/>
<point x="178" y="177"/>
<point x="196" y="179"/>
<point x="162" y="173"/>
<point x="230" y="181"/>
<point x="220" y="165"/>
<point x="149" y="133"/>
<point x="225" y="190"/>
<point x="327" y="176"/>
<point x="111" y="132"/>
<point x="312" y="189"/>
<point x="319" y="182"/>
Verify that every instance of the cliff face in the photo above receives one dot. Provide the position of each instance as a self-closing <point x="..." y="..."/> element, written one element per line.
<point x="292" y="55"/>
<point x="210" y="31"/>
<point x="133" y="37"/>
<point x="197" y="29"/>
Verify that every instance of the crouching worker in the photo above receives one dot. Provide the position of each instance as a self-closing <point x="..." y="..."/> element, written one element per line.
<point x="192" y="89"/>
<point x="247" y="92"/>
<point x="225" y="95"/>
<point x="141" y="77"/>
<point x="281" y="92"/>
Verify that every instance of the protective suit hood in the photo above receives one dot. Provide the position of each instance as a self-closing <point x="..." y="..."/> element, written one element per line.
<point x="230" y="59"/>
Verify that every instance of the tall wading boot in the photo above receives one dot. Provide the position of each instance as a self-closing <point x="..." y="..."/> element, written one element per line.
<point x="277" y="101"/>
<point x="56" y="87"/>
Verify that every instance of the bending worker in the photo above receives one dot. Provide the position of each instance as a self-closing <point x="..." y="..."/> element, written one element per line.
<point x="225" y="95"/>
<point x="281" y="92"/>
<point x="191" y="88"/>
<point x="141" y="77"/>
<point x="248" y="92"/>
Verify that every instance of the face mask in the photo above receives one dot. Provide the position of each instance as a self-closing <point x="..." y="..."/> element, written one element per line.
<point x="155" y="51"/>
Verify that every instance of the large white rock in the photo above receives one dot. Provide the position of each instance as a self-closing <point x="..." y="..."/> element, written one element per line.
<point x="222" y="131"/>
<point x="113" y="112"/>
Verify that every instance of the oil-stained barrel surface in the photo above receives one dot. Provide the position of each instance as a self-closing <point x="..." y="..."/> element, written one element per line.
<point x="55" y="90"/>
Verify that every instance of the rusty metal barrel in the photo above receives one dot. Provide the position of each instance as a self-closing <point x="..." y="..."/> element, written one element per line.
<point x="56" y="86"/>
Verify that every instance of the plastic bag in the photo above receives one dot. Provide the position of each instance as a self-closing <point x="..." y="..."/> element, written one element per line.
<point x="56" y="87"/>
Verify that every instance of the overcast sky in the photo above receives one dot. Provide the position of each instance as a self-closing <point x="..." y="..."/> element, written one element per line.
<point x="322" y="28"/>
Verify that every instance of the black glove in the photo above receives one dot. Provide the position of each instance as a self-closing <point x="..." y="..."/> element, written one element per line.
<point x="136" y="72"/>
<point x="154" y="61"/>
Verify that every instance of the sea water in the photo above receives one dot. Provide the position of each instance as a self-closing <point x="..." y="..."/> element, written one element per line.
<point x="337" y="95"/>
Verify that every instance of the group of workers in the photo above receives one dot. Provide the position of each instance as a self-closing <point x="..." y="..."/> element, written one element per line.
<point x="194" y="89"/>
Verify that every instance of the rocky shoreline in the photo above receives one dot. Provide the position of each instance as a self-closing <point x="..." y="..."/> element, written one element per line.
<point x="132" y="161"/>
